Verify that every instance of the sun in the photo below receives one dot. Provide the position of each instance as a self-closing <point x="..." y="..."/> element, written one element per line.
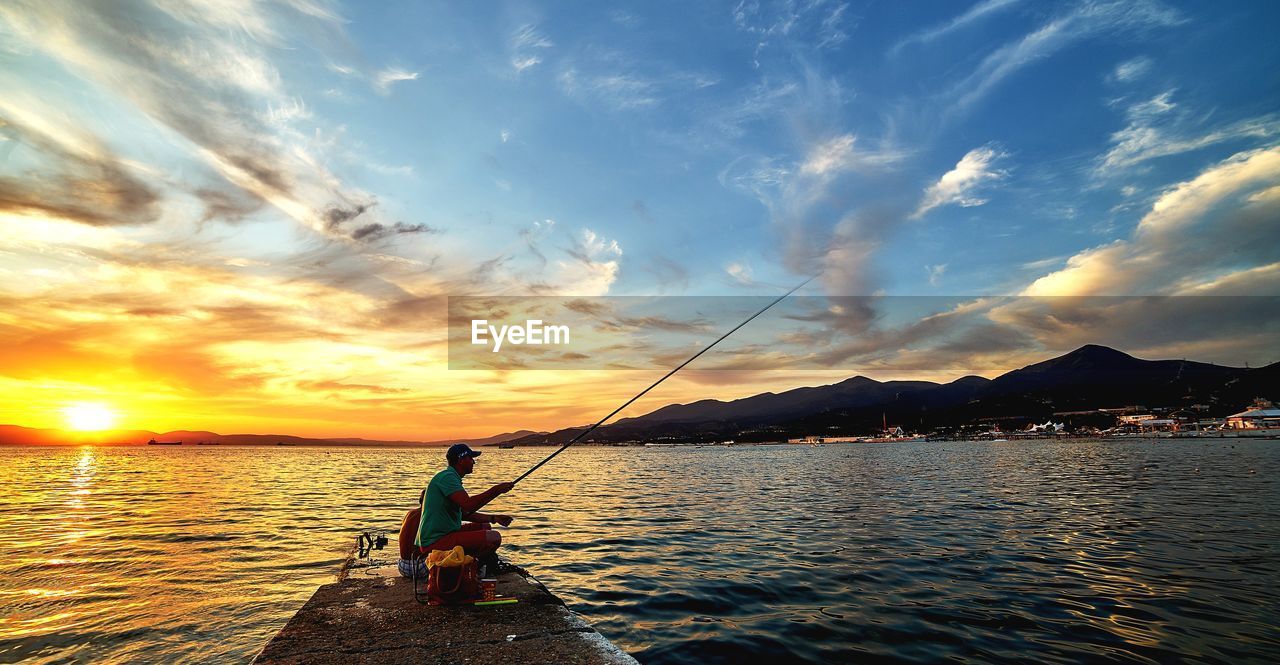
<point x="88" y="416"/>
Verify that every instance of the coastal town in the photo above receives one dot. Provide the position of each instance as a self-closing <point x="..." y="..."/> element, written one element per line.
<point x="1260" y="420"/>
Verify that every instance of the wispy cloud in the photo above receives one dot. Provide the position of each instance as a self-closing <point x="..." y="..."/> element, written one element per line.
<point x="381" y="80"/>
<point x="1132" y="70"/>
<point x="816" y="23"/>
<point x="762" y="100"/>
<point x="839" y="154"/>
<point x="288" y="112"/>
<point x="527" y="45"/>
<point x="342" y="70"/>
<point x="1158" y="128"/>
<point x="1086" y="20"/>
<point x="828" y="157"/>
<point x="384" y="79"/>
<point x="740" y="272"/>
<point x="935" y="273"/>
<point x="960" y="185"/>
<point x="619" y="91"/>
<point x="976" y="12"/>
<point x="594" y="267"/>
<point x="589" y="265"/>
<point x="831" y="30"/>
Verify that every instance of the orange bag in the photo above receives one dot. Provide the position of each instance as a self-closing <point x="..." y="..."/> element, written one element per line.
<point x="452" y="577"/>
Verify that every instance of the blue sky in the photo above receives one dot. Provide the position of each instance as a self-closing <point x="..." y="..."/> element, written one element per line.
<point x="301" y="173"/>
<point x="663" y="128"/>
<point x="683" y="134"/>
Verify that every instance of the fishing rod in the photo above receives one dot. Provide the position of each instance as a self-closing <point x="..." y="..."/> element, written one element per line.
<point x="664" y="378"/>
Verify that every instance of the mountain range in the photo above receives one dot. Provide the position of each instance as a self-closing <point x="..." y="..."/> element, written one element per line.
<point x="1089" y="378"/>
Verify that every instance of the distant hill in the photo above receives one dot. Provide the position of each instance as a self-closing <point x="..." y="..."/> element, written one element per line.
<point x="28" y="436"/>
<point x="16" y="435"/>
<point x="499" y="438"/>
<point x="1090" y="377"/>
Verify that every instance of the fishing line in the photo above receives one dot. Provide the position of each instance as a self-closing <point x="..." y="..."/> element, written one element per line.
<point x="664" y="378"/>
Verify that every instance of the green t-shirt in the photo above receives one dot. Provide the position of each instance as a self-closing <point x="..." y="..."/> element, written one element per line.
<point x="440" y="515"/>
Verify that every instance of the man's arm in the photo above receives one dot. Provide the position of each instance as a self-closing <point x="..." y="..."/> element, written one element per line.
<point x="504" y="520"/>
<point x="470" y="504"/>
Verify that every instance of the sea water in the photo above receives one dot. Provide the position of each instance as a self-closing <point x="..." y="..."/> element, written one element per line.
<point x="1053" y="551"/>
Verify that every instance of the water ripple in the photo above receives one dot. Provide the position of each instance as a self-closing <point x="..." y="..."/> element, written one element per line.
<point x="1059" y="552"/>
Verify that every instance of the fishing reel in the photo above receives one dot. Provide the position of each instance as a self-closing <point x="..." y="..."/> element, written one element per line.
<point x="369" y="541"/>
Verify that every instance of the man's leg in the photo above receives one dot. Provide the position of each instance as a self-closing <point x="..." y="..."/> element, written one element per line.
<point x="477" y="542"/>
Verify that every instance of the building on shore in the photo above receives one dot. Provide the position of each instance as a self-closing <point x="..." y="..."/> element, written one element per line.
<point x="826" y="439"/>
<point x="1263" y="415"/>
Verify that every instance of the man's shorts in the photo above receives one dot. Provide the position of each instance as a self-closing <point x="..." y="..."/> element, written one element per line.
<point x="471" y="537"/>
<point x="406" y="567"/>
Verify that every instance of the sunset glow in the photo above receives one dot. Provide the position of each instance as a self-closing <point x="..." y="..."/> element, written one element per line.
<point x="89" y="417"/>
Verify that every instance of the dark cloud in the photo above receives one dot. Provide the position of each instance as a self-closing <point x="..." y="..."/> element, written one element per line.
<point x="529" y="236"/>
<point x="421" y="312"/>
<point x="337" y="215"/>
<point x="375" y="231"/>
<point x="155" y="312"/>
<point x="642" y="211"/>
<point x="341" y="266"/>
<point x="341" y="387"/>
<point x="484" y="272"/>
<point x="464" y="310"/>
<point x="540" y="288"/>
<point x="607" y="318"/>
<point x="806" y="338"/>
<point x="262" y="166"/>
<point x="637" y="323"/>
<point x="984" y="340"/>
<point x="840" y="314"/>
<point x="91" y="189"/>
<point x="593" y="308"/>
<point x="228" y="206"/>
<point x="1226" y="329"/>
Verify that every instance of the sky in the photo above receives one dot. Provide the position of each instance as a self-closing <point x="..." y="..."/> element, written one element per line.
<point x="250" y="216"/>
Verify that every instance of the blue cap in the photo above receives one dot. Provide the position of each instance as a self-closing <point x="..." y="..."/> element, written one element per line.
<point x="458" y="451"/>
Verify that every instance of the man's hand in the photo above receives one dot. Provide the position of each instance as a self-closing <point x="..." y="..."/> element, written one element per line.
<point x="503" y="488"/>
<point x="504" y="520"/>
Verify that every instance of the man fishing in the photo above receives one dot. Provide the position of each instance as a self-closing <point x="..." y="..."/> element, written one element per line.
<point x="445" y="504"/>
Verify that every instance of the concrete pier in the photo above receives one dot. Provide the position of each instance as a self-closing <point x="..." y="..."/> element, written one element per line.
<point x="370" y="616"/>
